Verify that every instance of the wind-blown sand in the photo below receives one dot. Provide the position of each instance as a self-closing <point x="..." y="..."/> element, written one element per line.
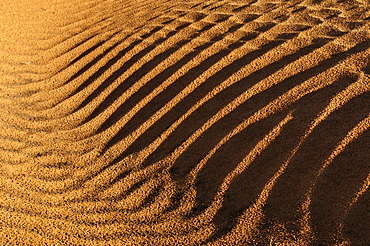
<point x="220" y="122"/>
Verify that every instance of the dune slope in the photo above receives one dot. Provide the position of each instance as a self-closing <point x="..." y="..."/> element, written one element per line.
<point x="230" y="122"/>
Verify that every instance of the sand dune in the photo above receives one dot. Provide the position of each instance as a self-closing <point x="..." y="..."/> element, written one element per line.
<point x="231" y="122"/>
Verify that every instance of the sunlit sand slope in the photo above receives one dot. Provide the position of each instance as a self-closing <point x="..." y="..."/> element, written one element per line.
<point x="231" y="122"/>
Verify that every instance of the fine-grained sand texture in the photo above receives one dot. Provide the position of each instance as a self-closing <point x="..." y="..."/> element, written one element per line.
<point x="220" y="122"/>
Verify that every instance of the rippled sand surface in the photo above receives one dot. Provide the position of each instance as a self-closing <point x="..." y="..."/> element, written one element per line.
<point x="219" y="122"/>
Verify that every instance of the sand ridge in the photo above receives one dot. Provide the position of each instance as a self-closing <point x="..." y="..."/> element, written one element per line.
<point x="184" y="122"/>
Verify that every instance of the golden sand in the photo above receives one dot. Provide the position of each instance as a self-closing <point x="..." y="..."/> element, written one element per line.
<point x="220" y="122"/>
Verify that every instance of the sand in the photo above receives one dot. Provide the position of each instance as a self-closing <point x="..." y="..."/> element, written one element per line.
<point x="220" y="122"/>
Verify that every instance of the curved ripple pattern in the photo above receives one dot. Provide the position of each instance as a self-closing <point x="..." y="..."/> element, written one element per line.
<point x="184" y="122"/>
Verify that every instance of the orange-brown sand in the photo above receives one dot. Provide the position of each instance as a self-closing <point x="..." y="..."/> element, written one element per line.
<point x="219" y="122"/>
